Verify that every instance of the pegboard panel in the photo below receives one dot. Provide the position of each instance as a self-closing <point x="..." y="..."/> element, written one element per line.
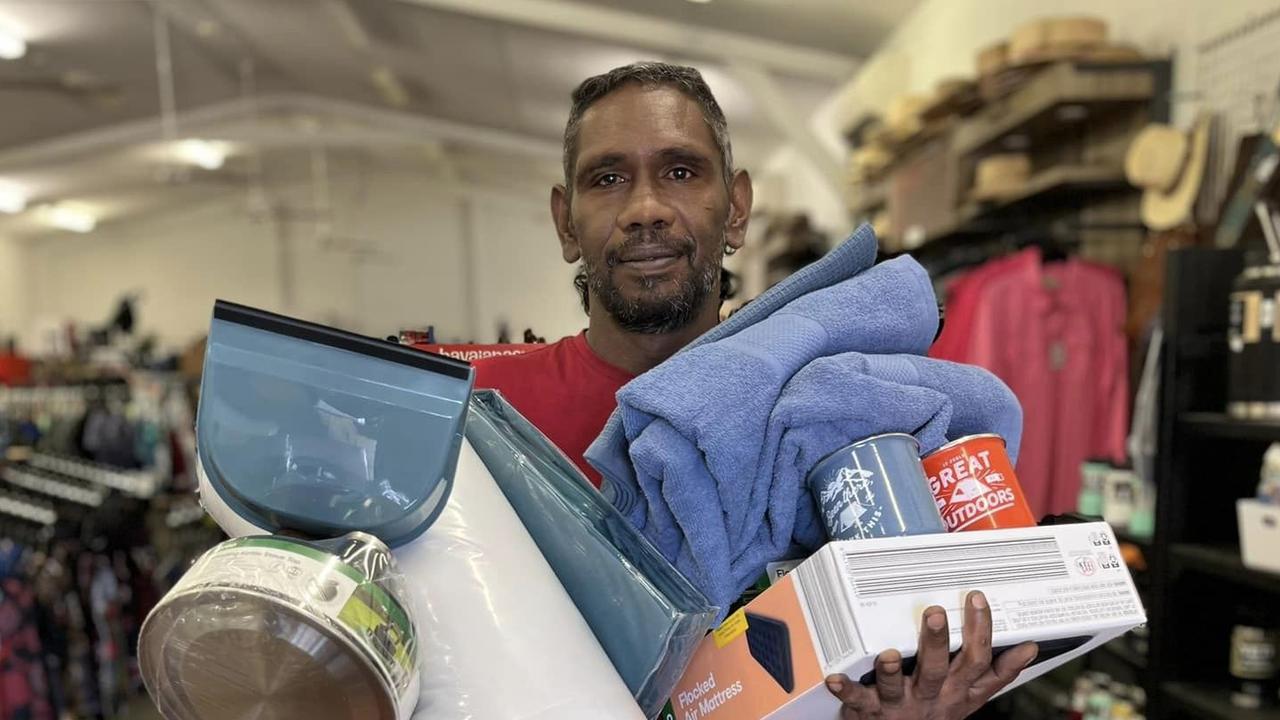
<point x="1237" y="76"/>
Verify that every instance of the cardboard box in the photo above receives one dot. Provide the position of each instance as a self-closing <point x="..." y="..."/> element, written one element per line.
<point x="1063" y="586"/>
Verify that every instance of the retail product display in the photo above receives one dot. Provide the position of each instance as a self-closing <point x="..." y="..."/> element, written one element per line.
<point x="605" y="564"/>
<point x="1098" y="696"/>
<point x="501" y="638"/>
<point x="1253" y="387"/>
<point x="1062" y="586"/>
<point x="973" y="482"/>
<point x="277" y="627"/>
<point x="318" y="431"/>
<point x="1269" y="480"/>
<point x="87" y="548"/>
<point x="672" y="467"/>
<point x="1255" y="665"/>
<point x="1000" y="176"/>
<point x="1169" y="165"/>
<point x="874" y="488"/>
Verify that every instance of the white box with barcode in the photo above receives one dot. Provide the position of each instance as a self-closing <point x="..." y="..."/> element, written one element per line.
<point x="1064" y="587"/>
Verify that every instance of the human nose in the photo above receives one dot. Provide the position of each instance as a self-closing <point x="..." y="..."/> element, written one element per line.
<point x="645" y="208"/>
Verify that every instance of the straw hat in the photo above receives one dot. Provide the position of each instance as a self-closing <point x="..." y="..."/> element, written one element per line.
<point x="1000" y="176"/>
<point x="951" y="96"/>
<point x="1168" y="164"/>
<point x="1055" y="39"/>
<point x="992" y="59"/>
<point x="903" y="116"/>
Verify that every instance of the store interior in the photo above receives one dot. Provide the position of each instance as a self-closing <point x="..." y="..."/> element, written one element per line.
<point x="1090" y="186"/>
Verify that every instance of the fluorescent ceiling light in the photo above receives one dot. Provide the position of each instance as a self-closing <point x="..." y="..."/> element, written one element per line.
<point x="700" y="2"/>
<point x="203" y="153"/>
<point x="66" y="217"/>
<point x="12" y="199"/>
<point x="12" y="46"/>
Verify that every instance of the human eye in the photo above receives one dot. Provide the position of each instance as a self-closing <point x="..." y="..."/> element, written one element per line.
<point x="608" y="180"/>
<point x="680" y="174"/>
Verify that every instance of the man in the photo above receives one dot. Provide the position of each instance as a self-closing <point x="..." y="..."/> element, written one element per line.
<point x="650" y="206"/>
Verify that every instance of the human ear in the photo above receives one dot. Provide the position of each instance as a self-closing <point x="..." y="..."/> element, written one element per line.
<point x="570" y="250"/>
<point x="740" y="198"/>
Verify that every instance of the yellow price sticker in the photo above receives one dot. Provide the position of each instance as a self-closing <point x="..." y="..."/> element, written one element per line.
<point x="732" y="627"/>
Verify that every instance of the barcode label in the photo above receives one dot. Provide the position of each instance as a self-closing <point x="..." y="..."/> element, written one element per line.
<point x="877" y="573"/>
<point x="830" y="619"/>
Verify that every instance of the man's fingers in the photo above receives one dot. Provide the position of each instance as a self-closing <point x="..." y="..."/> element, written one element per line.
<point x="975" y="652"/>
<point x="890" y="684"/>
<point x="934" y="656"/>
<point x="857" y="701"/>
<point x="1004" y="670"/>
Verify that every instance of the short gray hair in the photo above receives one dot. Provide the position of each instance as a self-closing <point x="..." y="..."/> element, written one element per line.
<point x="681" y="77"/>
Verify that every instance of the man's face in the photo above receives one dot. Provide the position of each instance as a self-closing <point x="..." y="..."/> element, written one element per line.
<point x="649" y="212"/>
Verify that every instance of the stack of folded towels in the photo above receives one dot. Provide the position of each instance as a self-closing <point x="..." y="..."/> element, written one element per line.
<point x="707" y="453"/>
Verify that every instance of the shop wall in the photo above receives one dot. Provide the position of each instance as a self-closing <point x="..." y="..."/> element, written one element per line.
<point x="401" y="252"/>
<point x="789" y="183"/>
<point x="941" y="37"/>
<point x="11" y="287"/>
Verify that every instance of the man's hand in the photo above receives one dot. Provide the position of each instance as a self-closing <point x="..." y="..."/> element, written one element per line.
<point x="940" y="688"/>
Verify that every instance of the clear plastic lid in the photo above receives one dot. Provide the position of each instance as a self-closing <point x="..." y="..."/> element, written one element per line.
<point x="314" y="430"/>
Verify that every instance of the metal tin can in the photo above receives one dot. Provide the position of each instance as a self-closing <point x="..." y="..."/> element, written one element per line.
<point x="975" y="487"/>
<point x="274" y="628"/>
<point x="874" y="488"/>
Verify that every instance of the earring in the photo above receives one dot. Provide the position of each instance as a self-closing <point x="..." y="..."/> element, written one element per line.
<point x="729" y="249"/>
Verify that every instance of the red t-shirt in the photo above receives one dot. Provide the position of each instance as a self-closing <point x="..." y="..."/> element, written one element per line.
<point x="564" y="389"/>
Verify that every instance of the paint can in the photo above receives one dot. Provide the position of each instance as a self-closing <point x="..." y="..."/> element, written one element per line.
<point x="874" y="488"/>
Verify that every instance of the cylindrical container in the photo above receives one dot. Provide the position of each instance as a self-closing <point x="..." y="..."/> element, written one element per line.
<point x="1253" y="368"/>
<point x="1255" y="666"/>
<point x="272" y="628"/>
<point x="874" y="488"/>
<point x="975" y="487"/>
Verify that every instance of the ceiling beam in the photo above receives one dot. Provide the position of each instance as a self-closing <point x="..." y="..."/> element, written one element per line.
<point x="643" y="31"/>
<point x="361" y="123"/>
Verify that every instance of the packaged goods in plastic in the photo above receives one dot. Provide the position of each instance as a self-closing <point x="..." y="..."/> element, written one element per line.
<point x="307" y="428"/>
<point x="275" y="628"/>
<point x="646" y="615"/>
<point x="500" y="637"/>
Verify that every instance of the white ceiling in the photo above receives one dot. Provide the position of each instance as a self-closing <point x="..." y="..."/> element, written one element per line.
<point x="480" y="77"/>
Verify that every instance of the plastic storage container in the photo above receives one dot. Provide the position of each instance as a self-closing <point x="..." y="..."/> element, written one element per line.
<point x="309" y="429"/>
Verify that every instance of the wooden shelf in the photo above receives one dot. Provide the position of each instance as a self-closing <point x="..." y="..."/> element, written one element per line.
<point x="1223" y="425"/>
<point x="1225" y="563"/>
<point x="1214" y="702"/>
<point x="1045" y="186"/>
<point x="1033" y="109"/>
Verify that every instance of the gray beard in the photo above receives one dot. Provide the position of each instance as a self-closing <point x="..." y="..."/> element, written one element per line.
<point x="654" y="315"/>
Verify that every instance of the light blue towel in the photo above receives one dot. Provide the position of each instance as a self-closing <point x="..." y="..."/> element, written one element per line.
<point x="609" y="452"/>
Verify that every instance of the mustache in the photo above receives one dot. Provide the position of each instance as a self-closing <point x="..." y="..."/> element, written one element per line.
<point x="683" y="245"/>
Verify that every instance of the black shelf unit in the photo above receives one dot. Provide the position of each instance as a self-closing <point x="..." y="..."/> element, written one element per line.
<point x="1205" y="462"/>
<point x="1212" y="701"/>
